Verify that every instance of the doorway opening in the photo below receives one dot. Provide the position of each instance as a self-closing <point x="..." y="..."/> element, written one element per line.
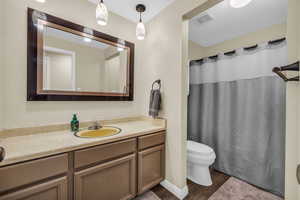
<point x="236" y="104"/>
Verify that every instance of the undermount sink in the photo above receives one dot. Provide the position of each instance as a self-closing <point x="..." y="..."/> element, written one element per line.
<point x="102" y="132"/>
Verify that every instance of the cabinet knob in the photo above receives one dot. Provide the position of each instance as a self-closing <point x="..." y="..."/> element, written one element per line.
<point x="2" y="153"/>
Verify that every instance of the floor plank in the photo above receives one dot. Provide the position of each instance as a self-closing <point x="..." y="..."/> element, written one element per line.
<point x="196" y="192"/>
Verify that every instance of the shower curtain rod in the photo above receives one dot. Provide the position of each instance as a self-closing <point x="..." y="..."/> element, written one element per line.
<point x="291" y="67"/>
<point x="248" y="48"/>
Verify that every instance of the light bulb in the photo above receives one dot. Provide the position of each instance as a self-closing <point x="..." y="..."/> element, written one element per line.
<point x="239" y="3"/>
<point x="101" y="14"/>
<point x="88" y="31"/>
<point x="41" y="1"/>
<point x="86" y="39"/>
<point x="120" y="49"/>
<point x="121" y="45"/>
<point x="140" y="31"/>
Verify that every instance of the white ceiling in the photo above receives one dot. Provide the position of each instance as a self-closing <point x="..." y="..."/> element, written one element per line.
<point x="126" y="8"/>
<point x="229" y="22"/>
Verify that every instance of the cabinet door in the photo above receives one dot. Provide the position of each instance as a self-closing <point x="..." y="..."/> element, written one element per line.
<point x="20" y="175"/>
<point x="151" y="168"/>
<point x="114" y="180"/>
<point x="51" y="190"/>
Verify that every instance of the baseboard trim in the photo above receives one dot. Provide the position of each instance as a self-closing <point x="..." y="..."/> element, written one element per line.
<point x="180" y="193"/>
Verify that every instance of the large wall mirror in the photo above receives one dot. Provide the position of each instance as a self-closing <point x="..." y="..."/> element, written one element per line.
<point x="70" y="62"/>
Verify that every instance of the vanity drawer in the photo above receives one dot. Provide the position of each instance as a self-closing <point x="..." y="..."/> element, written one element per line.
<point x="104" y="152"/>
<point x="29" y="172"/>
<point x="151" y="140"/>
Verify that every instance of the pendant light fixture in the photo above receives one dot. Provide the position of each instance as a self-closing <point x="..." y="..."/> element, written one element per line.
<point x="239" y="3"/>
<point x="101" y="13"/>
<point x="140" y="28"/>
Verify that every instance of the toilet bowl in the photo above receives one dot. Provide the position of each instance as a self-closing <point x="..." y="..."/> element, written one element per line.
<point x="199" y="158"/>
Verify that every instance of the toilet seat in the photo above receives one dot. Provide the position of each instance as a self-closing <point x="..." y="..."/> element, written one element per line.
<point x="198" y="149"/>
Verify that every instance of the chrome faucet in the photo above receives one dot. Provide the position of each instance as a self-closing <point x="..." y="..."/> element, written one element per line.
<point x="96" y="126"/>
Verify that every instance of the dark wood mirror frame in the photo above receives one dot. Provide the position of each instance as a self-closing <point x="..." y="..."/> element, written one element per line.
<point x="35" y="60"/>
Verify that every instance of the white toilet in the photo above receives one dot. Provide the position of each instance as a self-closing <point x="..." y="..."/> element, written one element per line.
<point x="199" y="158"/>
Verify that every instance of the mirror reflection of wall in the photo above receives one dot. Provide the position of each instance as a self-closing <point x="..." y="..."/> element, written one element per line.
<point x="77" y="63"/>
<point x="115" y="66"/>
<point x="59" y="70"/>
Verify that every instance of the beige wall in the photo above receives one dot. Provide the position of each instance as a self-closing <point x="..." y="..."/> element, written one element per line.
<point x="196" y="51"/>
<point x="277" y="31"/>
<point x="116" y="81"/>
<point x="163" y="59"/>
<point x="292" y="188"/>
<point x="18" y="112"/>
<point x="58" y="74"/>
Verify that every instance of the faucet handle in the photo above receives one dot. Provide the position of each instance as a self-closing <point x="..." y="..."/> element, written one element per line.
<point x="96" y="126"/>
<point x="2" y="153"/>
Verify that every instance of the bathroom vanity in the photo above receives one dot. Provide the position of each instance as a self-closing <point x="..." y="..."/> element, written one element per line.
<point x="112" y="168"/>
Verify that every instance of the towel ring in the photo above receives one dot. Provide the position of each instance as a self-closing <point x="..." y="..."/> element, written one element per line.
<point x="156" y="82"/>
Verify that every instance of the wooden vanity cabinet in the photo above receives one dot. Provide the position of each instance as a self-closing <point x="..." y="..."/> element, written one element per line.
<point x="115" y="180"/>
<point x="151" y="161"/>
<point x="106" y="172"/>
<point x="114" y="171"/>
<point x="51" y="190"/>
<point x="44" y="178"/>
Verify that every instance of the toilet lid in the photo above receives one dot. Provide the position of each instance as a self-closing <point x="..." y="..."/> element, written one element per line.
<point x="199" y="148"/>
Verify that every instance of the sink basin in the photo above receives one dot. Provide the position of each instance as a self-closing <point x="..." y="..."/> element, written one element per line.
<point x="102" y="132"/>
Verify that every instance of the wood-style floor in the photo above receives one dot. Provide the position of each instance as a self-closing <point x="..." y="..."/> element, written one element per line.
<point x="196" y="192"/>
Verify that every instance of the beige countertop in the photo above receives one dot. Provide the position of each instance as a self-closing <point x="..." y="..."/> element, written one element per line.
<point x="31" y="146"/>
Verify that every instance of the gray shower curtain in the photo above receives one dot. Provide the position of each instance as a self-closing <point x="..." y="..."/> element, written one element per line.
<point x="244" y="122"/>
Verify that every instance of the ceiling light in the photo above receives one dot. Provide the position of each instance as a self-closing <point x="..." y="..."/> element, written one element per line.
<point x="239" y="3"/>
<point x="101" y="13"/>
<point x="140" y="28"/>
<point x="41" y="1"/>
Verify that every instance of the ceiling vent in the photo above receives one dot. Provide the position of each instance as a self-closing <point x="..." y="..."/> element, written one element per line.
<point x="205" y="18"/>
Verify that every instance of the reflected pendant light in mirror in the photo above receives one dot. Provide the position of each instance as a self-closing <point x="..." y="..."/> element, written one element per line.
<point x="101" y="13"/>
<point x="140" y="28"/>
<point x="88" y="33"/>
<point x="239" y="3"/>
